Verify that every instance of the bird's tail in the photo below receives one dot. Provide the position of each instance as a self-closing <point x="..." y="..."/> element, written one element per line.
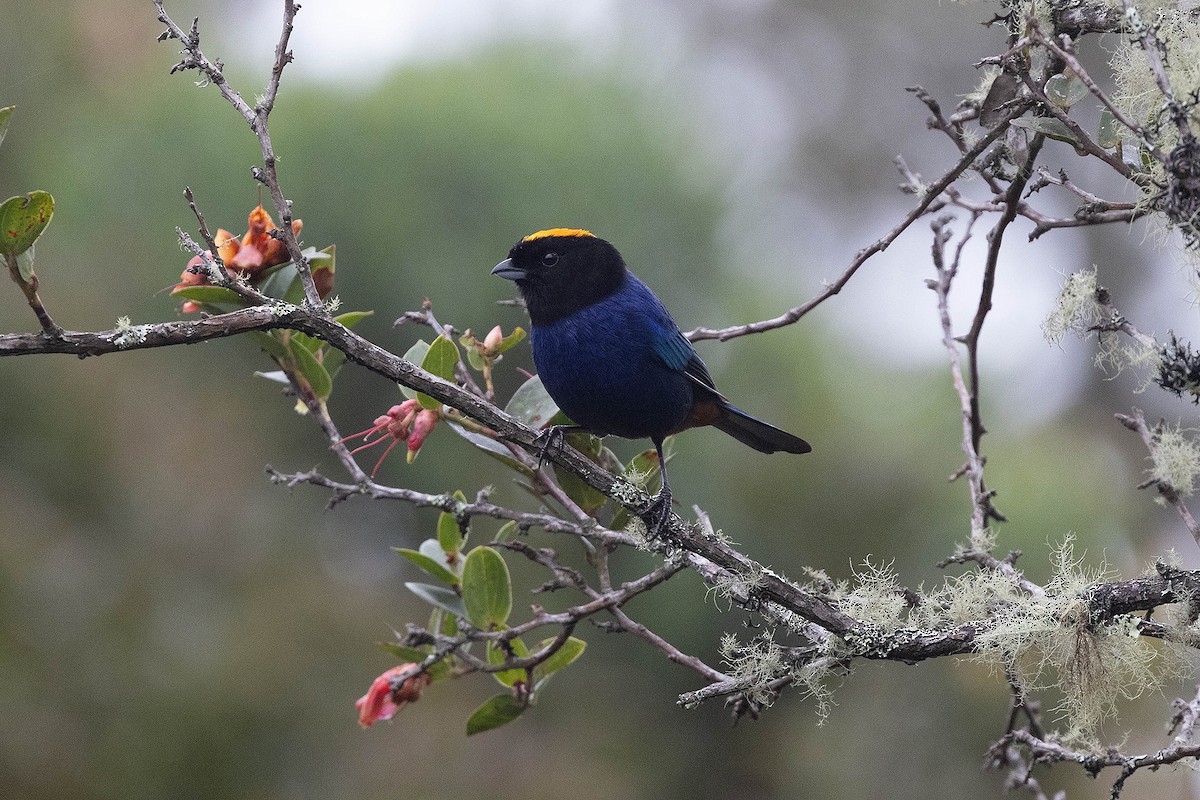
<point x="757" y="434"/>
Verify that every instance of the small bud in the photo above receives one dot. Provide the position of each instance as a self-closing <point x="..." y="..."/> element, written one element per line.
<point x="423" y="425"/>
<point x="494" y="338"/>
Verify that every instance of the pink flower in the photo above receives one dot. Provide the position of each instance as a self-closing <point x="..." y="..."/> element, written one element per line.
<point x="388" y="695"/>
<point x="407" y="422"/>
<point x="424" y="424"/>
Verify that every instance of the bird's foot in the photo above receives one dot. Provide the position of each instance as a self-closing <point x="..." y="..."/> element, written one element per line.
<point x="552" y="438"/>
<point x="658" y="513"/>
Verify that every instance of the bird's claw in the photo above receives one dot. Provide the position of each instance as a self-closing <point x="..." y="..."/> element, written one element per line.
<point x="551" y="438"/>
<point x="657" y="514"/>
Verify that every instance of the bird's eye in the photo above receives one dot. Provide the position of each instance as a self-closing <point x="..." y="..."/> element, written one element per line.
<point x="550" y="259"/>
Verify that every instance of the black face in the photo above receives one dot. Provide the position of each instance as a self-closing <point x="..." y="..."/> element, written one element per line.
<point x="561" y="274"/>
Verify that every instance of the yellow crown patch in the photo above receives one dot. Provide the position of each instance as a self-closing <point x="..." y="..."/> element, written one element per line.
<point x="558" y="232"/>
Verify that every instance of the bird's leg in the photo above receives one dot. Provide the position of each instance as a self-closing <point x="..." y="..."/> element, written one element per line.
<point x="554" y="437"/>
<point x="659" y="511"/>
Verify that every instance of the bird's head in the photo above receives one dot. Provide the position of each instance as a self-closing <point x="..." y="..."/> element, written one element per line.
<point x="562" y="270"/>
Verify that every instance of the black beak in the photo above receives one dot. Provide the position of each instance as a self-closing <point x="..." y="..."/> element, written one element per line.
<point x="509" y="271"/>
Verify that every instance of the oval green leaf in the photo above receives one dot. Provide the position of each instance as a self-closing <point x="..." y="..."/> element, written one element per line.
<point x="314" y="373"/>
<point x="495" y="711"/>
<point x="352" y="318"/>
<point x="428" y="564"/>
<point x="440" y="360"/>
<point x="209" y="295"/>
<point x="486" y="588"/>
<point x="589" y="499"/>
<point x="310" y="343"/>
<point x="496" y="654"/>
<point x="415" y="354"/>
<point x="531" y="403"/>
<point x="571" y="649"/>
<point x="332" y="360"/>
<point x="512" y="340"/>
<point x="508" y="531"/>
<point x="22" y="220"/>
<point x="492" y="447"/>
<point x="435" y="671"/>
<point x="449" y="535"/>
<point x="283" y="283"/>
<point x="439" y="596"/>
<point x="271" y="344"/>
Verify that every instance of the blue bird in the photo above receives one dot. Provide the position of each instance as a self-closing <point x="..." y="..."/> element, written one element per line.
<point x="612" y="358"/>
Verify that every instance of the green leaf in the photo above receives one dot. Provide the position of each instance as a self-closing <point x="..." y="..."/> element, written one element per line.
<point x="571" y="649"/>
<point x="1109" y="133"/>
<point x="5" y="117"/>
<point x="282" y="281"/>
<point x="588" y="498"/>
<point x="310" y="343"/>
<point x="508" y="531"/>
<point x="209" y="295"/>
<point x="412" y="655"/>
<point x="497" y="655"/>
<point x="451" y="561"/>
<point x="439" y="596"/>
<point x="352" y="318"/>
<point x="405" y="653"/>
<point x="279" y="282"/>
<point x="1047" y="126"/>
<point x="486" y="588"/>
<point x="25" y="263"/>
<point x="531" y="403"/>
<point x="22" y="220"/>
<point x="495" y="711"/>
<point x="449" y="535"/>
<point x="428" y="564"/>
<point x="492" y="447"/>
<point x="316" y="376"/>
<point x="332" y="360"/>
<point x="415" y="354"/>
<point x="440" y="360"/>
<point x="271" y="344"/>
<point x="512" y="340"/>
<point x="1065" y="92"/>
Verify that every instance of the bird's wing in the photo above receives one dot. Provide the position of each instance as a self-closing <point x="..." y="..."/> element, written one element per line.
<point x="677" y="353"/>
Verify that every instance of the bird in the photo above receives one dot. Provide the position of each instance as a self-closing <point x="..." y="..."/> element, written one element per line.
<point x="612" y="358"/>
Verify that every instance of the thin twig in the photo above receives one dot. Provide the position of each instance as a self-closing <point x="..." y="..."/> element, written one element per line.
<point x="931" y="194"/>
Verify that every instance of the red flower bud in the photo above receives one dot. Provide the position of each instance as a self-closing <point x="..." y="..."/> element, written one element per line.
<point x="385" y="697"/>
<point x="424" y="424"/>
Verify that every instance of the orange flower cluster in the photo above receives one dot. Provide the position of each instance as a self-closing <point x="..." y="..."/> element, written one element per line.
<point x="251" y="255"/>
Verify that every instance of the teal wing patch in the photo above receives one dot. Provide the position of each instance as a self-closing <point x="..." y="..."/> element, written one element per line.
<point x="677" y="353"/>
<point x="675" y="350"/>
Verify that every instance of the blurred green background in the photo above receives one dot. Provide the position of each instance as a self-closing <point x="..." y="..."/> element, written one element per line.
<point x="172" y="625"/>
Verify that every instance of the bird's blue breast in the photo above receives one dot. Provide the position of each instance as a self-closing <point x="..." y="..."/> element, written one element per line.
<point x="610" y="368"/>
